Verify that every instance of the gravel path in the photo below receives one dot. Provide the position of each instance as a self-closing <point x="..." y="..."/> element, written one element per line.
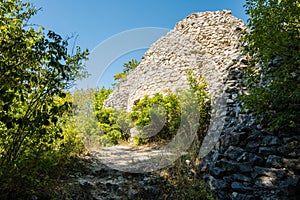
<point x="116" y="173"/>
<point x="136" y="160"/>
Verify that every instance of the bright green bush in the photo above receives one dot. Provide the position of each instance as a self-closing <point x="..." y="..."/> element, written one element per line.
<point x="113" y="124"/>
<point x="149" y="113"/>
<point x="84" y="121"/>
<point x="162" y="112"/>
<point x="201" y="95"/>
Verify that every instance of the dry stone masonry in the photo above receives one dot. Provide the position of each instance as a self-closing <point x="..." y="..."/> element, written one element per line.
<point x="240" y="158"/>
<point x="207" y="43"/>
<point x="249" y="161"/>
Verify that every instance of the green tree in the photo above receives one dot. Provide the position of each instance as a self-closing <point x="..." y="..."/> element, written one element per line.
<point x="273" y="45"/>
<point x="35" y="71"/>
<point x="84" y="121"/>
<point x="127" y="68"/>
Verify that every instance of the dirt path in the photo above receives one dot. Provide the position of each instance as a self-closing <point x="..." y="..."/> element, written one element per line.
<point x="135" y="160"/>
<point x="116" y="173"/>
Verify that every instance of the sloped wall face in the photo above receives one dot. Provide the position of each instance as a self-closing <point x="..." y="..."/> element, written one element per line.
<point x="207" y="43"/>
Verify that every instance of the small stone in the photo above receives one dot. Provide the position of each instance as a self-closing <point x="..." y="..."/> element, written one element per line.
<point x="231" y="139"/>
<point x="239" y="187"/>
<point x="271" y="172"/>
<point x="216" y="156"/>
<point x="228" y="166"/>
<point x="233" y="152"/>
<point x="271" y="141"/>
<point x="255" y="159"/>
<point x="217" y="171"/>
<point x="238" y="196"/>
<point x="217" y="184"/>
<point x="290" y="139"/>
<point x="274" y="161"/>
<point x="241" y="178"/>
<point x="234" y="96"/>
<point x="291" y="163"/>
<point x="229" y="101"/>
<point x="265" y="182"/>
<point x="291" y="187"/>
<point x="266" y="150"/>
<point x="291" y="149"/>
<point x="245" y="167"/>
<point x="111" y="187"/>
<point x="78" y="174"/>
<point x="33" y="197"/>
<point x="85" y="184"/>
<point x="221" y="195"/>
<point x="252" y="146"/>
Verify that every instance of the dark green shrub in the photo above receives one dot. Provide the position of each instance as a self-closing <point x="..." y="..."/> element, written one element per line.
<point x="273" y="46"/>
<point x="35" y="73"/>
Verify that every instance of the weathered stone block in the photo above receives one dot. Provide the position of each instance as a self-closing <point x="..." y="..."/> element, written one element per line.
<point x="265" y="151"/>
<point x="274" y="161"/>
<point x="241" y="178"/>
<point x="271" y="141"/>
<point x="233" y="152"/>
<point x="240" y="187"/>
<point x="217" y="172"/>
<point x="271" y="172"/>
<point x="239" y="196"/>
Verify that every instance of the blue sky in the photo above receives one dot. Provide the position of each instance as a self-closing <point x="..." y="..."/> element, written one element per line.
<point x="96" y="21"/>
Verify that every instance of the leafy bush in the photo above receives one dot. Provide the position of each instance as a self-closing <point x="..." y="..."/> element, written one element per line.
<point x="162" y="112"/>
<point x="160" y="116"/>
<point x="201" y="95"/>
<point x="35" y="72"/>
<point x="273" y="45"/>
<point x="113" y="124"/>
<point x="84" y="121"/>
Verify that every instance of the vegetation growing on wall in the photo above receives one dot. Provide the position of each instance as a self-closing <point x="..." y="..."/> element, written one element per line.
<point x="273" y="45"/>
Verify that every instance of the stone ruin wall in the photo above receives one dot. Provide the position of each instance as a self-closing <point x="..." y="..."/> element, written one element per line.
<point x="240" y="158"/>
<point x="207" y="43"/>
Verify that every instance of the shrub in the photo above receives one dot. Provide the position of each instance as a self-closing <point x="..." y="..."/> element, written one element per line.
<point x="273" y="46"/>
<point x="160" y="116"/>
<point x="113" y="124"/>
<point x="35" y="73"/>
<point x="156" y="116"/>
<point x="127" y="68"/>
